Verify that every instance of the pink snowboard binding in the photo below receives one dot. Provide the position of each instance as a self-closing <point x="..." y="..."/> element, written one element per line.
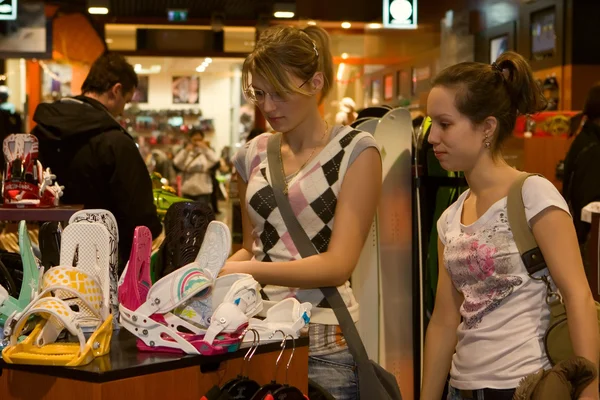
<point x="147" y="311"/>
<point x="26" y="183"/>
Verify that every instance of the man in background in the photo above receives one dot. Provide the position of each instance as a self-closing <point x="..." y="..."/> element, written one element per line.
<point x="195" y="162"/>
<point x="93" y="156"/>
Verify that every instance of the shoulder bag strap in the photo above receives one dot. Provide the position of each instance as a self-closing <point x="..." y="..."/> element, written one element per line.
<point x="307" y="249"/>
<point x="517" y="220"/>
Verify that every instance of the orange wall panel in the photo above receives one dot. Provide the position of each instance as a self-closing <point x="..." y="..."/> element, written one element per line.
<point x="542" y="154"/>
<point x="33" y="89"/>
<point x="80" y="72"/>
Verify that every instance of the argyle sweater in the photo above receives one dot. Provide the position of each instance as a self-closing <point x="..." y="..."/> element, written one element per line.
<point x="313" y="194"/>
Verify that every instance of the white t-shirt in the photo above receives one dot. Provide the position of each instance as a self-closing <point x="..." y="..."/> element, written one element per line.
<point x="504" y="312"/>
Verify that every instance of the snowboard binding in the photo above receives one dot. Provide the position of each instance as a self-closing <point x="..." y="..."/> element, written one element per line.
<point x="26" y="183"/>
<point x="11" y="301"/>
<point x="70" y="300"/>
<point x="107" y="219"/>
<point x="159" y="315"/>
<point x="86" y="246"/>
<point x="286" y="318"/>
<point x="185" y="226"/>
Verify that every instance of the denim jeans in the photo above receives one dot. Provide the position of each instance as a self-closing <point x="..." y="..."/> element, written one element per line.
<point x="454" y="394"/>
<point x="336" y="373"/>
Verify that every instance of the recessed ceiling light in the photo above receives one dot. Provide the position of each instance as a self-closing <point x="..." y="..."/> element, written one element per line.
<point x="346" y="25"/>
<point x="137" y="67"/>
<point x="98" y="10"/>
<point x="108" y="40"/>
<point x="208" y="60"/>
<point x="344" y="56"/>
<point x="201" y="68"/>
<point x="313" y="23"/>
<point x="283" y="14"/>
<point x="374" y="25"/>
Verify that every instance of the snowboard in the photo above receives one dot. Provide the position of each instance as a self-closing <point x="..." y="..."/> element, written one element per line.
<point x="398" y="285"/>
<point x="365" y="278"/>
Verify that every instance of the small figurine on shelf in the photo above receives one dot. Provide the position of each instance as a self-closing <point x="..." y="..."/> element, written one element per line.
<point x="25" y="183"/>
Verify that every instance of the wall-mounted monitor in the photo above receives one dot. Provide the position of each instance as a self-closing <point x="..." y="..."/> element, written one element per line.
<point x="543" y="33"/>
<point x="29" y="35"/>
<point x="498" y="45"/>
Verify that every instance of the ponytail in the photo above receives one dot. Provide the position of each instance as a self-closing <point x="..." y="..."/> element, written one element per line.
<point x="322" y="42"/>
<point x="502" y="90"/>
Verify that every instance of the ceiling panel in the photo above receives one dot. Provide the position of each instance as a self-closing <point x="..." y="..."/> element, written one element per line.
<point x="135" y="11"/>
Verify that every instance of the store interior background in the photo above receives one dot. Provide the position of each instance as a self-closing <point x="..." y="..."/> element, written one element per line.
<point x="373" y="66"/>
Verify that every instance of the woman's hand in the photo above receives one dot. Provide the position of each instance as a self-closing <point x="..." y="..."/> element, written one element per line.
<point x="234" y="267"/>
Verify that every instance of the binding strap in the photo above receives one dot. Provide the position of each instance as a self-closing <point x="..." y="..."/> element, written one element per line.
<point x="517" y="219"/>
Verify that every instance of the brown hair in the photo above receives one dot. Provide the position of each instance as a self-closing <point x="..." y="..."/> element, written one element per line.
<point x="283" y="49"/>
<point x="108" y="70"/>
<point x="503" y="90"/>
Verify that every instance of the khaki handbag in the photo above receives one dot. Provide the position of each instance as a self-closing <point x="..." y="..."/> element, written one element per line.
<point x="557" y="340"/>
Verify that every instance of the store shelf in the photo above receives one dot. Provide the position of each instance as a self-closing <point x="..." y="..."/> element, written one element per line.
<point x="62" y="213"/>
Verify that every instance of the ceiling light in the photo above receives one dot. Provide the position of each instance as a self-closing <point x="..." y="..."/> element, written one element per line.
<point x="137" y="67"/>
<point x="374" y="25"/>
<point x="345" y="56"/>
<point x="208" y="60"/>
<point x="312" y="23"/>
<point x="283" y="14"/>
<point x="108" y="40"/>
<point x="284" y="9"/>
<point x="201" y="68"/>
<point x="98" y="10"/>
<point x="98" y="7"/>
<point x="346" y="25"/>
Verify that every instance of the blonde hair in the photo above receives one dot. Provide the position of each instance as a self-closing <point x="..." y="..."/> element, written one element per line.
<point x="282" y="50"/>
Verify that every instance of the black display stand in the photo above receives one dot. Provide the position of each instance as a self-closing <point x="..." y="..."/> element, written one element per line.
<point x="61" y="213"/>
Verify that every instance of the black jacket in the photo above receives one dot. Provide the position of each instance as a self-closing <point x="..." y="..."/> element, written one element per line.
<point x="581" y="185"/>
<point x="98" y="163"/>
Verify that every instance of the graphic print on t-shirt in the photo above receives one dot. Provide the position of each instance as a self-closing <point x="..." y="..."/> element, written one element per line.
<point x="480" y="271"/>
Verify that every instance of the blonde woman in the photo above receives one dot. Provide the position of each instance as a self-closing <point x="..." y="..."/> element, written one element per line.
<point x="333" y="183"/>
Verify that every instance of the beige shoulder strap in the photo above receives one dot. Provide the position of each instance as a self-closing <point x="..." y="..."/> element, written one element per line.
<point x="517" y="220"/>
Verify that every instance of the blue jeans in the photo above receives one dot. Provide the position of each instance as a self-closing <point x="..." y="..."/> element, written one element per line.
<point x="336" y="373"/>
<point x="454" y="394"/>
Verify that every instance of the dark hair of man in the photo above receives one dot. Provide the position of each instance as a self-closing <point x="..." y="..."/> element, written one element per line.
<point x="196" y="131"/>
<point x="108" y="70"/>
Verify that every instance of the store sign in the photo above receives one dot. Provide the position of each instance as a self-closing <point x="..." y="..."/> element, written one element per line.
<point x="400" y="14"/>
<point x="8" y="10"/>
<point x="177" y="15"/>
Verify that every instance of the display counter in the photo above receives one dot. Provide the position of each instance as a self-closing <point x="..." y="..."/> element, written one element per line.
<point x="128" y="374"/>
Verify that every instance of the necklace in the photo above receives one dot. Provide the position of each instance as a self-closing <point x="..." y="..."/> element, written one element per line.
<point x="312" y="153"/>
